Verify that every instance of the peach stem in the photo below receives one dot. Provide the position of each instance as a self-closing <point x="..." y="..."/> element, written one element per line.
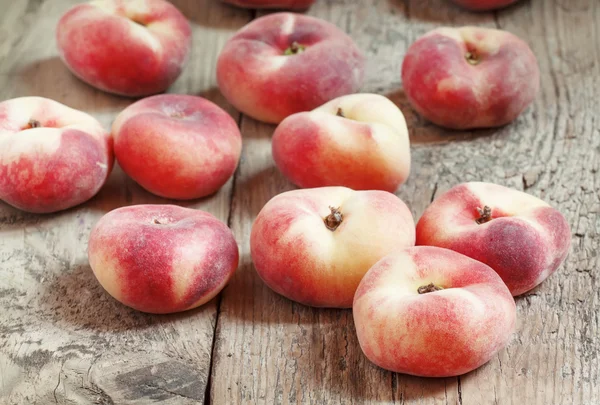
<point x="424" y="289"/>
<point x="340" y="113"/>
<point x="33" y="124"/>
<point x="485" y="215"/>
<point x="333" y="220"/>
<point x="472" y="58"/>
<point x="294" y="49"/>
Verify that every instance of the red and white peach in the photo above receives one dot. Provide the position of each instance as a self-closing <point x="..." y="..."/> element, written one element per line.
<point x="314" y="246"/>
<point x="470" y="77"/>
<point x="285" y="63"/>
<point x="177" y="146"/>
<point x="484" y="5"/>
<point x="518" y="235"/>
<point x="162" y="258"/>
<point x="432" y="312"/>
<point x="131" y="48"/>
<point x="358" y="141"/>
<point x="280" y="4"/>
<point x="52" y="157"/>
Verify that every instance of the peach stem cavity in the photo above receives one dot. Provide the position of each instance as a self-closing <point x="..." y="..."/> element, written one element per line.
<point x="294" y="49"/>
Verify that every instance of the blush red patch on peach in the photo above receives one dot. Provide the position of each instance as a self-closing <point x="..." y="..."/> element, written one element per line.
<point x="470" y="77"/>
<point x="257" y="77"/>
<point x="113" y="52"/>
<point x="212" y="273"/>
<point x="177" y="146"/>
<point x="25" y="186"/>
<point x="144" y="270"/>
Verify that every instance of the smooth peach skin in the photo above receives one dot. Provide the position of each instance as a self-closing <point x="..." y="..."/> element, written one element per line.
<point x="177" y="146"/>
<point x="60" y="162"/>
<point x="300" y="258"/>
<point x="448" y="90"/>
<point x="162" y="258"/>
<point x="280" y="4"/>
<point x="435" y="334"/>
<point x="525" y="241"/>
<point x="256" y="76"/>
<point x="484" y="5"/>
<point x="126" y="47"/>
<point x="366" y="149"/>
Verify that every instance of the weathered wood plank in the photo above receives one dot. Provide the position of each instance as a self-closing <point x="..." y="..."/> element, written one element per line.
<point x="62" y="338"/>
<point x="294" y="354"/>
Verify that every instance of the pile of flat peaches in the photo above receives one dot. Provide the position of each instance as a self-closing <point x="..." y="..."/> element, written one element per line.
<point x="431" y="299"/>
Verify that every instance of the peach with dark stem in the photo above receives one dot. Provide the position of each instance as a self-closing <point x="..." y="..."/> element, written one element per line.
<point x="314" y="245"/>
<point x="521" y="237"/>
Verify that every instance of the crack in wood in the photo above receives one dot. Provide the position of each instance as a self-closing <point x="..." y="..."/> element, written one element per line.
<point x="58" y="383"/>
<point x="435" y="188"/>
<point x="172" y="393"/>
<point x="207" y="397"/>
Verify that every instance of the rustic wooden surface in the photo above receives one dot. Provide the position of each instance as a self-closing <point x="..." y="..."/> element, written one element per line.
<point x="64" y="340"/>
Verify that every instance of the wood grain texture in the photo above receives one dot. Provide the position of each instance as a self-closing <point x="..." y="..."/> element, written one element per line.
<point x="64" y="340"/>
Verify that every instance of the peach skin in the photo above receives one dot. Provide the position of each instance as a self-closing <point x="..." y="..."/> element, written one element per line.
<point x="432" y="312"/>
<point x="162" y="258"/>
<point x="469" y="77"/>
<point x="518" y="235"/>
<point x="127" y="47"/>
<point x="484" y="5"/>
<point x="358" y="141"/>
<point x="279" y="4"/>
<point x="314" y="246"/>
<point x="285" y="63"/>
<point x="52" y="157"/>
<point x="177" y="146"/>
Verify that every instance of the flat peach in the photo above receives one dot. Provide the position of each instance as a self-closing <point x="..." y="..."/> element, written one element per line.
<point x="127" y="47"/>
<point x="470" y="77"/>
<point x="521" y="237"/>
<point x="358" y="141"/>
<point x="285" y="63"/>
<point x="432" y="312"/>
<point x="314" y="245"/>
<point x="177" y="146"/>
<point x="52" y="157"/>
<point x="162" y="258"/>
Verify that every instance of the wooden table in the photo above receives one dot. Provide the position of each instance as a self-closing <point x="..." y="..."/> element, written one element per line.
<point x="64" y="340"/>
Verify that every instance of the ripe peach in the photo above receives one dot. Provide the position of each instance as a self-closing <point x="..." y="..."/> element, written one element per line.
<point x="282" y="4"/>
<point x="432" y="312"/>
<point x="52" y="157"/>
<point x="518" y="235"/>
<point x="177" y="146"/>
<point x="131" y="48"/>
<point x="314" y="245"/>
<point x="284" y="63"/>
<point x="470" y="77"/>
<point x="484" y="5"/>
<point x="358" y="141"/>
<point x="162" y="258"/>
